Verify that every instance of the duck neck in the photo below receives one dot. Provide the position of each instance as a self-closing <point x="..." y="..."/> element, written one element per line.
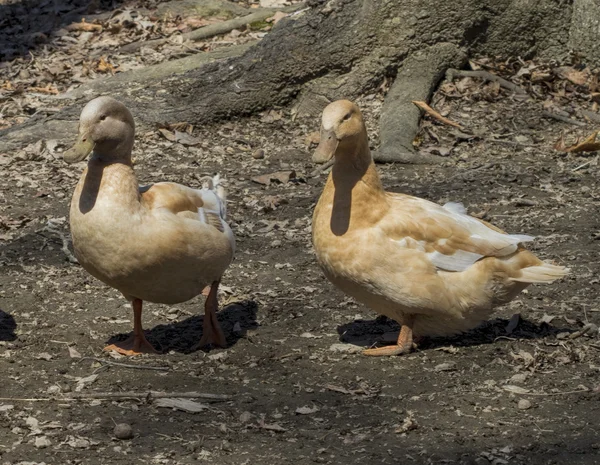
<point x="356" y="187"/>
<point x="111" y="182"/>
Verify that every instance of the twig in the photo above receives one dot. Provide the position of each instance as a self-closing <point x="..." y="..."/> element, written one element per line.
<point x="593" y="160"/>
<point x="486" y="76"/>
<point x="474" y="170"/>
<point x="430" y="111"/>
<point x="216" y="29"/>
<point x="564" y="119"/>
<point x="27" y="399"/>
<point x="65" y="242"/>
<point x="149" y="395"/>
<point x="564" y="393"/>
<point x="322" y="168"/>
<point x="125" y="365"/>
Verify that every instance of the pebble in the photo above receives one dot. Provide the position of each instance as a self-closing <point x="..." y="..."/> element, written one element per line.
<point x="123" y="431"/>
<point x="450" y="366"/>
<point x="524" y="404"/>
<point x="345" y="348"/>
<point x="42" y="442"/>
<point x="245" y="417"/>
<point x="518" y="378"/>
<point x="258" y="154"/>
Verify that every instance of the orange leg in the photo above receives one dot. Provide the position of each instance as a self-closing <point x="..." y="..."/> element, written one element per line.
<point x="405" y="344"/>
<point x="136" y="343"/>
<point x="211" y="330"/>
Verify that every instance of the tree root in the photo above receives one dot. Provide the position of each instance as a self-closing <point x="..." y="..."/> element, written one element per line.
<point x="216" y="29"/>
<point x="416" y="80"/>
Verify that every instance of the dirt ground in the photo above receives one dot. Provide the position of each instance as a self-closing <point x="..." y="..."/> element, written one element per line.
<point x="300" y="390"/>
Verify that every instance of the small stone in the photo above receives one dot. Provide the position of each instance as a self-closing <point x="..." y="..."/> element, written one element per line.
<point x="123" y="431"/>
<point x="518" y="378"/>
<point x="258" y="154"/>
<point x="345" y="348"/>
<point x="42" y="442"/>
<point x="449" y="366"/>
<point x="226" y="446"/>
<point x="245" y="417"/>
<point x="524" y="404"/>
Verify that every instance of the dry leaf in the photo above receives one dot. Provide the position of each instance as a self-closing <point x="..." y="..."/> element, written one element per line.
<point x="83" y="26"/>
<point x="167" y="134"/>
<point x="279" y="176"/>
<point x="74" y="353"/>
<point x="579" y="78"/>
<point x="104" y="66"/>
<point x="589" y="144"/>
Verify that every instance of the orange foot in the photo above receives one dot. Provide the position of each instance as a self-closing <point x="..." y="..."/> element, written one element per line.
<point x="133" y="345"/>
<point x="391" y="350"/>
<point x="405" y="344"/>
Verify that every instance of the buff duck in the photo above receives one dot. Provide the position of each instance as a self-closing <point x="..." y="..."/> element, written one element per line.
<point x="434" y="269"/>
<point x="163" y="243"/>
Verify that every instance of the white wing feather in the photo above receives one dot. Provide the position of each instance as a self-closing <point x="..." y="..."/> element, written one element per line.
<point x="481" y="236"/>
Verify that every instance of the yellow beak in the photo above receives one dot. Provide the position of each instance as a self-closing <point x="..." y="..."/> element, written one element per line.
<point x="326" y="148"/>
<point x="82" y="148"/>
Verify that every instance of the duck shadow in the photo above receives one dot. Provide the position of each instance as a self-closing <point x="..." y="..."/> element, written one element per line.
<point x="183" y="336"/>
<point x="8" y="325"/>
<point x="366" y="333"/>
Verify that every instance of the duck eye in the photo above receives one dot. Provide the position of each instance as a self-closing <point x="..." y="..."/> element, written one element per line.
<point x="347" y="117"/>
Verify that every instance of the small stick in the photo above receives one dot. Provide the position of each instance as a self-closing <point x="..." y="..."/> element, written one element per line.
<point x="65" y="242"/>
<point x="125" y="365"/>
<point x="543" y="394"/>
<point x="148" y="395"/>
<point x="564" y="119"/>
<point x="486" y="76"/>
<point x="21" y="399"/>
<point x="321" y="169"/>
<point x="430" y="111"/>
<point x="585" y="164"/>
<point x="474" y="170"/>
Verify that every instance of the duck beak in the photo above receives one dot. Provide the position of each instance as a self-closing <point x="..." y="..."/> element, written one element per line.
<point x="82" y="148"/>
<point x="326" y="148"/>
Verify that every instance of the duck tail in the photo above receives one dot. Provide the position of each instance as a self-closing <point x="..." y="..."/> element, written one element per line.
<point x="211" y="186"/>
<point x="545" y="273"/>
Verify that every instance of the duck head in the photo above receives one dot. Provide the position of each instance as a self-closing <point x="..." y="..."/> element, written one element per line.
<point x="106" y="128"/>
<point x="342" y="131"/>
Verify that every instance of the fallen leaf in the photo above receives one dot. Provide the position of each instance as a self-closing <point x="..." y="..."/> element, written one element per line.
<point x="589" y="144"/>
<point x="279" y="176"/>
<point x="186" y="139"/>
<point x="44" y="356"/>
<point x="104" y="66"/>
<point x="74" y="353"/>
<point x="82" y="382"/>
<point x="271" y="426"/>
<point x="307" y="410"/>
<point x="168" y="134"/>
<point x="83" y="26"/>
<point x="579" y="78"/>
